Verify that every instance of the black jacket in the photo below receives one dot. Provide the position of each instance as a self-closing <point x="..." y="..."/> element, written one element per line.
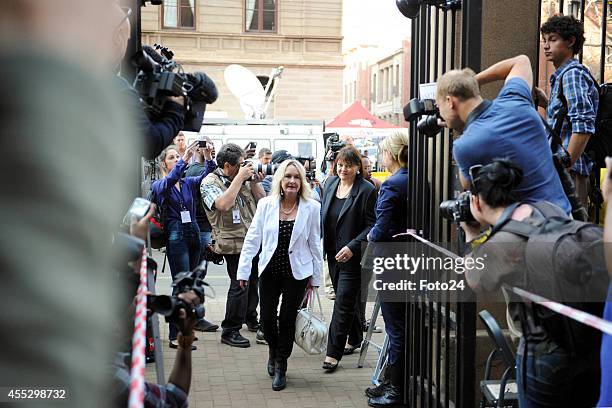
<point x="355" y="220"/>
<point x="157" y="133"/>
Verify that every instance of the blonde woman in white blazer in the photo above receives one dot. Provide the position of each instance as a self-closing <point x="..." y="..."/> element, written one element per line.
<point x="286" y="227"/>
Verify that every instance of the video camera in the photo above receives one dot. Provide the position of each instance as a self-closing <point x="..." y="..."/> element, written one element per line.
<point x="332" y="145"/>
<point x="160" y="77"/>
<point x="170" y="306"/>
<point x="427" y="110"/>
<point x="312" y="165"/>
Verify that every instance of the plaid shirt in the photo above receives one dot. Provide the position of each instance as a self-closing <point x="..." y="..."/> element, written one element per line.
<point x="582" y="102"/>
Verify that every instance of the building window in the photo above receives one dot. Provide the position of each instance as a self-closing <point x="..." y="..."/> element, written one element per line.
<point x="179" y="14"/>
<point x="260" y="15"/>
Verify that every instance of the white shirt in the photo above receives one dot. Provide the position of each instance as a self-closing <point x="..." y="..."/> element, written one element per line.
<point x="305" y="250"/>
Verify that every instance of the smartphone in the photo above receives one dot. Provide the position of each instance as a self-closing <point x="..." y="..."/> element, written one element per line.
<point x="138" y="209"/>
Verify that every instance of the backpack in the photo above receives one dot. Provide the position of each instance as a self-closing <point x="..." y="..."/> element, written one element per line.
<point x="565" y="263"/>
<point x="600" y="144"/>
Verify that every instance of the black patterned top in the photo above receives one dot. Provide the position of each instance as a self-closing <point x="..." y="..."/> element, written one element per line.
<point x="279" y="265"/>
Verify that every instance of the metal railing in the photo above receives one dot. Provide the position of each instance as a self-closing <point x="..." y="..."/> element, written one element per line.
<point x="441" y="336"/>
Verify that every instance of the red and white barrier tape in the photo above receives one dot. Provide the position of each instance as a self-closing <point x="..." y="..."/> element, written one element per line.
<point x="139" y="339"/>
<point x="578" y="315"/>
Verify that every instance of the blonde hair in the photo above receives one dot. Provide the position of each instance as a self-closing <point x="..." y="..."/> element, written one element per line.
<point x="460" y="83"/>
<point x="305" y="192"/>
<point x="397" y="146"/>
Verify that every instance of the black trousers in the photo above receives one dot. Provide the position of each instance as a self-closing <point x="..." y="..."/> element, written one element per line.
<point x="241" y="303"/>
<point x="346" y="317"/>
<point x="279" y="331"/>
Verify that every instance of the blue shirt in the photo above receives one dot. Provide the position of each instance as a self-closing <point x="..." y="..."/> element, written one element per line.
<point x="391" y="208"/>
<point x="582" y="97"/>
<point x="184" y="200"/>
<point x="511" y="128"/>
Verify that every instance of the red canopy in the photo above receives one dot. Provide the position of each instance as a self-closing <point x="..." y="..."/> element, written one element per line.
<point x="356" y="116"/>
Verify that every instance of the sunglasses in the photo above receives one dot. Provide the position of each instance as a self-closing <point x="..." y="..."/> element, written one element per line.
<point x="474" y="172"/>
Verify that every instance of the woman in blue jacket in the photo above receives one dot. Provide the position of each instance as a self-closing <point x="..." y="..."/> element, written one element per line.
<point x="175" y="195"/>
<point x="392" y="219"/>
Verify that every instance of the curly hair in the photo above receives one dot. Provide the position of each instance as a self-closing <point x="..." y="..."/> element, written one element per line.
<point x="567" y="27"/>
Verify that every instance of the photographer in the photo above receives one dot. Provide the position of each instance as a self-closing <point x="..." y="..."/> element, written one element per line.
<point x="549" y="373"/>
<point x="508" y="126"/>
<point x="173" y="394"/>
<point x="157" y="133"/>
<point x="175" y="195"/>
<point x="563" y="38"/>
<point x="230" y="195"/>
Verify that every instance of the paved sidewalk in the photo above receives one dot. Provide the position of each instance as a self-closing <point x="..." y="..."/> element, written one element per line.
<point x="226" y="376"/>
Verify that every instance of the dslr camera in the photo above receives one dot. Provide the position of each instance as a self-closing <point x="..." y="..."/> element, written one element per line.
<point x="170" y="306"/>
<point x="266" y="169"/>
<point x="159" y="77"/>
<point x="312" y="165"/>
<point x="457" y="210"/>
<point x="427" y="114"/>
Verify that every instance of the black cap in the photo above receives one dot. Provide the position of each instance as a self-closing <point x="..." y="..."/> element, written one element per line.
<point x="280" y="156"/>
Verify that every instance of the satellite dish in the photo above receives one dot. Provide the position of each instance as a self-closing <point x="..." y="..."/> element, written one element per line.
<point x="245" y="86"/>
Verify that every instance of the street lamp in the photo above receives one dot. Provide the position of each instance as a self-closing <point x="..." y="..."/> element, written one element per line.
<point x="411" y="8"/>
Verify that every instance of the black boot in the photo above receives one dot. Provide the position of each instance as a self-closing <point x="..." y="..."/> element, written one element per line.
<point x="280" y="380"/>
<point x="392" y="395"/>
<point x="380" y="388"/>
<point x="271" y="362"/>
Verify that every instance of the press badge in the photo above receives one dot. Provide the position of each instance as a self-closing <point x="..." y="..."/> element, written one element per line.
<point x="236" y="216"/>
<point x="185" y="217"/>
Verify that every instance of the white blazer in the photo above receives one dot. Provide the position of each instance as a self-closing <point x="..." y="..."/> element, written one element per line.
<point x="305" y="251"/>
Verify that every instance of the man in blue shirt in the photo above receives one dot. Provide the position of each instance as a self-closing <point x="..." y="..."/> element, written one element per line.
<point x="563" y="38"/>
<point x="507" y="127"/>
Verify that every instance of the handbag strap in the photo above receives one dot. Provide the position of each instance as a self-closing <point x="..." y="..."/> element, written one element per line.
<point x="310" y="301"/>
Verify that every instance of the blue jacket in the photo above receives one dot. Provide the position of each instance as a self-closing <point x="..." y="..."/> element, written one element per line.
<point x="391" y="208"/>
<point x="165" y="192"/>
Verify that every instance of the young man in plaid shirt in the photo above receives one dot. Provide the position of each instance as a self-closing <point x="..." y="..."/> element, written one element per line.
<point x="563" y="38"/>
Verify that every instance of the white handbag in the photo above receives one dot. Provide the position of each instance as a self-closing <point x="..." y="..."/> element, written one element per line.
<point x="310" y="329"/>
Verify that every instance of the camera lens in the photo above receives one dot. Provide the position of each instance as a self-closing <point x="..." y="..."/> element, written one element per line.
<point x="429" y="126"/>
<point x="266" y="169"/>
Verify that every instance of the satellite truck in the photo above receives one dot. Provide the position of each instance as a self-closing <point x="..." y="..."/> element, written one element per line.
<point x="303" y="138"/>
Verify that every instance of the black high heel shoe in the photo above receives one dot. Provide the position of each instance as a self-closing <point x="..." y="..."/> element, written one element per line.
<point x="330" y="367"/>
<point x="351" y="349"/>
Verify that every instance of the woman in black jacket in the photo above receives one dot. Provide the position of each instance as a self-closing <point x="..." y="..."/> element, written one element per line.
<point x="347" y="215"/>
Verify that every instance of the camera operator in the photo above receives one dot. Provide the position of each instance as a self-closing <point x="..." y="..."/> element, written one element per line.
<point x="230" y="195"/>
<point x="157" y="133"/>
<point x="548" y="373"/>
<point x="508" y="126"/>
<point x="563" y="38"/>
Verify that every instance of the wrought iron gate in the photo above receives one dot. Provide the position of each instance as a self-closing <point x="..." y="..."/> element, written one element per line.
<point x="441" y="335"/>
